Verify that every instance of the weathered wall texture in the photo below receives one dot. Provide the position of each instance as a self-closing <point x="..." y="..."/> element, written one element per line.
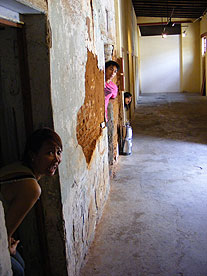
<point x="73" y="200"/>
<point x="78" y="27"/>
<point x="91" y="113"/>
<point x="5" y="264"/>
<point x="40" y="5"/>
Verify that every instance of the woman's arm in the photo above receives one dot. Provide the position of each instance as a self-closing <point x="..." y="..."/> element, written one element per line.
<point x="25" y="194"/>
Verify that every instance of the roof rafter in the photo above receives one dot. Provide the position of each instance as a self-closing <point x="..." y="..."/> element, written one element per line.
<point x="163" y="8"/>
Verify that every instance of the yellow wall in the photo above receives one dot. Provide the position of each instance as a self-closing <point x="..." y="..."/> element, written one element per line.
<point x="190" y="55"/>
<point x="127" y="46"/>
<point x="203" y="24"/>
<point x="141" y="19"/>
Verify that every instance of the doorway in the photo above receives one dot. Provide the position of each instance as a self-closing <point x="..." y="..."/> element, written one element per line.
<point x="15" y="125"/>
<point x="12" y="124"/>
<point x="42" y="232"/>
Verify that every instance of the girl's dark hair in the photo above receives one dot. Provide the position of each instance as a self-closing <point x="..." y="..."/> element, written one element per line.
<point x="127" y="95"/>
<point x="113" y="63"/>
<point x="37" y="139"/>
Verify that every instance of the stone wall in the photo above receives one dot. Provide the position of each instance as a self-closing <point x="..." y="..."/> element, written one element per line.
<point x="79" y="31"/>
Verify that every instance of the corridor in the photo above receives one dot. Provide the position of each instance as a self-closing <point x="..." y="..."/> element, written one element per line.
<point x="155" y="220"/>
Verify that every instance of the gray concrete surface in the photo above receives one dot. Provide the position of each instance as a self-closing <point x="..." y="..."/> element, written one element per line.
<point x="155" y="221"/>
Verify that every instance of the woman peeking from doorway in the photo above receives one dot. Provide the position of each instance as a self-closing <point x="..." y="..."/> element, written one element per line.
<point x="19" y="184"/>
<point x="127" y="100"/>
<point x="110" y="89"/>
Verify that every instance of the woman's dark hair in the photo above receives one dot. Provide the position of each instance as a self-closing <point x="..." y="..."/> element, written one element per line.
<point x="127" y="95"/>
<point x="37" y="139"/>
<point x="113" y="63"/>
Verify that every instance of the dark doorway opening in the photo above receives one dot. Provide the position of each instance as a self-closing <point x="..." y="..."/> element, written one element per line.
<point x="15" y="125"/>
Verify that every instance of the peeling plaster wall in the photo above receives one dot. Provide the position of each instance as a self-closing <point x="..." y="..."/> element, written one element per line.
<point x="91" y="113"/>
<point x="78" y="26"/>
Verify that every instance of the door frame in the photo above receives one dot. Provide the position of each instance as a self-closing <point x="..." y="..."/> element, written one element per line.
<point x="29" y="128"/>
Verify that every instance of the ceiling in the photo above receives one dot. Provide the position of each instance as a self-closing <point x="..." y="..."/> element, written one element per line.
<point x="170" y="9"/>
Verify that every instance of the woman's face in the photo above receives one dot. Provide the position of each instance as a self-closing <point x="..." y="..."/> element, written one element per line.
<point x="110" y="72"/>
<point x="128" y="100"/>
<point x="46" y="161"/>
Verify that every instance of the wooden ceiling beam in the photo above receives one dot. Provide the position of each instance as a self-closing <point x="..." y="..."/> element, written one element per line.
<point x="174" y="9"/>
<point x="164" y="23"/>
<point x="5" y="22"/>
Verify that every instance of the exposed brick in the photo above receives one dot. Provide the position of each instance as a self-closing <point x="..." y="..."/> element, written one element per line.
<point x="91" y="113"/>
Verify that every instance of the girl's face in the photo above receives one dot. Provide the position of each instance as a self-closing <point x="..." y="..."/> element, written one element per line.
<point x="46" y="161"/>
<point x="110" y="72"/>
<point x="128" y="100"/>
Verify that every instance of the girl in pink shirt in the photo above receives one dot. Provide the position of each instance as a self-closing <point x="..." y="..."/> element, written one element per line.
<point x="110" y="89"/>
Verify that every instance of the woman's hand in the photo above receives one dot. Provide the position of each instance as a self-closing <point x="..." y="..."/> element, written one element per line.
<point x="13" y="245"/>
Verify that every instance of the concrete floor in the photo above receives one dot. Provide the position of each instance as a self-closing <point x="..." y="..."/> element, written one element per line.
<point x="155" y="221"/>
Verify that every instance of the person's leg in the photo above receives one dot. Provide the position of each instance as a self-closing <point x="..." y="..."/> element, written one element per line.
<point x="19" y="258"/>
<point x="17" y="265"/>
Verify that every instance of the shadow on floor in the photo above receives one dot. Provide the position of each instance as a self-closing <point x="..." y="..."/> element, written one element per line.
<point x="176" y="116"/>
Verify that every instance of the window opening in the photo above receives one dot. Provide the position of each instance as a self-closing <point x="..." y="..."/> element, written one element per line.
<point x="204" y="44"/>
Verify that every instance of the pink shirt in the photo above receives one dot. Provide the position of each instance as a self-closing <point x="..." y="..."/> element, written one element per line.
<point x="110" y="92"/>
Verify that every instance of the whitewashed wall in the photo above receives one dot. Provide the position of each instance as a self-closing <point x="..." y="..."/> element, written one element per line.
<point x="160" y="64"/>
